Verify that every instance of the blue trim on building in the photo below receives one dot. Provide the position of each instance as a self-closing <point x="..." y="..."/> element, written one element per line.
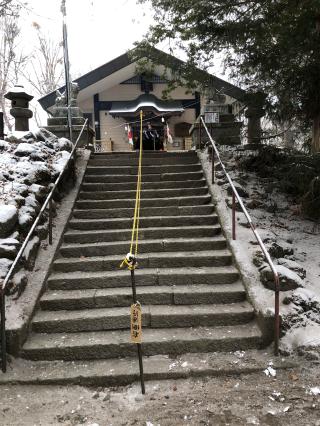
<point x="197" y="98"/>
<point x="105" y="105"/>
<point x="96" y="106"/>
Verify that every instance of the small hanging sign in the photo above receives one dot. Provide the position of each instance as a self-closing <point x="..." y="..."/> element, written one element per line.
<point x="136" y="324"/>
<point x="212" y="117"/>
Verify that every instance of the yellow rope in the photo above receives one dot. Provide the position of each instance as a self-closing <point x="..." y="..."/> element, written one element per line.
<point x="130" y="259"/>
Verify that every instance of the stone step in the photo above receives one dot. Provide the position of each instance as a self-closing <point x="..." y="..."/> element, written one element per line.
<point x="146" y="260"/>
<point x="144" y="277"/>
<point x="130" y="186"/>
<point x="146" y="161"/>
<point x="154" y="316"/>
<point x="151" y="202"/>
<point x="144" y="212"/>
<point x="145" y="246"/>
<point x="94" y="236"/>
<point x="54" y="300"/>
<point x="147" y="193"/>
<point x="155" y="177"/>
<point x="191" y="294"/>
<point x="146" y="154"/>
<point x="145" y="222"/>
<point x="112" y="344"/>
<point x="129" y="170"/>
<point x="117" y="372"/>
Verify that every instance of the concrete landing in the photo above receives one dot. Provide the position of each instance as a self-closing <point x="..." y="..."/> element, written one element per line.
<point x="117" y="372"/>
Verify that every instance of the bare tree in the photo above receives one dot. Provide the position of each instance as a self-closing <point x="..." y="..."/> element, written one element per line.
<point x="5" y="7"/>
<point x="46" y="66"/>
<point x="11" y="57"/>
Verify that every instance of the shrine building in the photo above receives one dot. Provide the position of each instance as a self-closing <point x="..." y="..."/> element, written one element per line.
<point x="112" y="95"/>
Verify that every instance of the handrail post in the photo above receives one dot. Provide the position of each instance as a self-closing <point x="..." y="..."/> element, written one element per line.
<point x="199" y="136"/>
<point x="277" y="316"/>
<point x="233" y="216"/>
<point x="88" y="138"/>
<point x="3" y="331"/>
<point x="3" y="286"/>
<point x="50" y="221"/>
<point x="236" y="197"/>
<point x="212" y="166"/>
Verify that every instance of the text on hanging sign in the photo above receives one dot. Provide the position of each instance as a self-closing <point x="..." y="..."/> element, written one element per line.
<point x="136" y="323"/>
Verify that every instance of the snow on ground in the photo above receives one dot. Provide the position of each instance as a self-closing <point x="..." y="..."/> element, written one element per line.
<point x="292" y="241"/>
<point x="308" y="336"/>
<point x="29" y="163"/>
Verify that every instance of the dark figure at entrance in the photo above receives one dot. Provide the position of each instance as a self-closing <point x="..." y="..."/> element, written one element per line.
<point x="151" y="139"/>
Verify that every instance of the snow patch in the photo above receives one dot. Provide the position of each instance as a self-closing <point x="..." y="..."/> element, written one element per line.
<point x="4" y="145"/>
<point x="7" y="213"/>
<point x="270" y="372"/>
<point x="314" y="391"/>
<point x="24" y="149"/>
<point x="61" y="161"/>
<point x="5" y="265"/>
<point x="302" y="336"/>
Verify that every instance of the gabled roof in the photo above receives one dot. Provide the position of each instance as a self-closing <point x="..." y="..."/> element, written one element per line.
<point x="132" y="56"/>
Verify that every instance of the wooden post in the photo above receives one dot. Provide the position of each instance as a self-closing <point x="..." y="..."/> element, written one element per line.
<point x="134" y="298"/>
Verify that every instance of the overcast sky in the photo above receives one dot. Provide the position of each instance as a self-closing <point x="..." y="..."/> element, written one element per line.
<point x="98" y="30"/>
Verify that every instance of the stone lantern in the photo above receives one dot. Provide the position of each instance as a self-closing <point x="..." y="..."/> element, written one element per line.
<point x="20" y="107"/>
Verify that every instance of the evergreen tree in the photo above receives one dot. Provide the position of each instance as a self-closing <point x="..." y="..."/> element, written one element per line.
<point x="271" y="46"/>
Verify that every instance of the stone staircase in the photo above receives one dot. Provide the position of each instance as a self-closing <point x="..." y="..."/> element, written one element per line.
<point x="192" y="298"/>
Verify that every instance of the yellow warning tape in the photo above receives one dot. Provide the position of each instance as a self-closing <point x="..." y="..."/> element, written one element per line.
<point x="130" y="259"/>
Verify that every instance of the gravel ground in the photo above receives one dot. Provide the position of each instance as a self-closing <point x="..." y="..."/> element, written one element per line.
<point x="291" y="397"/>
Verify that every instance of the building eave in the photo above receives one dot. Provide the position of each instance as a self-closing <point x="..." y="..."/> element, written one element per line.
<point x="128" y="58"/>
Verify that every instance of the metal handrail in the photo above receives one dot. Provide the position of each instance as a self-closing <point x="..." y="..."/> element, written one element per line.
<point x="5" y="283"/>
<point x="236" y="196"/>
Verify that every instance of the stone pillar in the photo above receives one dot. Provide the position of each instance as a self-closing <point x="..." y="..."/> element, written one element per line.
<point x="20" y="107"/>
<point x="58" y="123"/>
<point x="254" y="113"/>
<point x="254" y="123"/>
<point x="315" y="147"/>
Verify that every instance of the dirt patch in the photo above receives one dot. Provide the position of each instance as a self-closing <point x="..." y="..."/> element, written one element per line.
<point x="291" y="397"/>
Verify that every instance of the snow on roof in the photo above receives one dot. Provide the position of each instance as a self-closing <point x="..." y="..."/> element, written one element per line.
<point x="147" y="101"/>
<point x="146" y="104"/>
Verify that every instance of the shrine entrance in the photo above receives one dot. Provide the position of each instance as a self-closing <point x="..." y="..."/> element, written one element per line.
<point x="157" y="115"/>
<point x="153" y="133"/>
